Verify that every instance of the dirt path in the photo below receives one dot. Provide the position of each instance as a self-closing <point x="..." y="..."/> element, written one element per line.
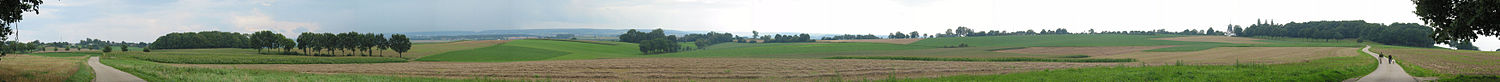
<point x="104" y="73"/>
<point x="1386" y="72"/>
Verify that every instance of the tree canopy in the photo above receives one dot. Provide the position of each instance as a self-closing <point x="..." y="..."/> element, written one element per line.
<point x="1462" y="20"/>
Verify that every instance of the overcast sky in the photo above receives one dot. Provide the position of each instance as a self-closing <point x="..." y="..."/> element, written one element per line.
<point x="144" y="20"/>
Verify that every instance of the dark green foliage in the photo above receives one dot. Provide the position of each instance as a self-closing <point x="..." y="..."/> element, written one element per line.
<point x="205" y="39"/>
<point x="124" y="48"/>
<point x="1462" y="45"/>
<point x="778" y="38"/>
<point x="1461" y="20"/>
<point x="399" y="43"/>
<point x="659" y="45"/>
<point x="1007" y="59"/>
<point x="1402" y="34"/>
<point x="657" y="42"/>
<point x="108" y="49"/>
<point x="1073" y="56"/>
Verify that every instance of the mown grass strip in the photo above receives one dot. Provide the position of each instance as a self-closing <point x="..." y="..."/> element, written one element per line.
<point x="84" y="73"/>
<point x="1005" y="59"/>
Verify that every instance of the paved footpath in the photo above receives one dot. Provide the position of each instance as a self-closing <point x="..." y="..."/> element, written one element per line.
<point x="104" y="73"/>
<point x="1386" y="72"/>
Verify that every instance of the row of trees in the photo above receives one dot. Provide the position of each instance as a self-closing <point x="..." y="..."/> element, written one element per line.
<point x="849" y="36"/>
<point x="319" y="44"/>
<point x="349" y="43"/>
<point x="710" y="38"/>
<point x="1402" y="34"/>
<point x="654" y="42"/>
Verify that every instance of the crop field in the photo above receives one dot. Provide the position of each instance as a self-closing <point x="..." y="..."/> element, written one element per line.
<point x="1444" y="61"/>
<point x="1059" y="40"/>
<point x="1090" y="51"/>
<point x="528" y="50"/>
<point x="1232" y="55"/>
<point x="158" y="72"/>
<point x="30" y="68"/>
<point x="673" y="69"/>
<point x="891" y="41"/>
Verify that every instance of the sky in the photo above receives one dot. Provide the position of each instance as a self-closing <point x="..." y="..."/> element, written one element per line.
<point x="144" y="20"/>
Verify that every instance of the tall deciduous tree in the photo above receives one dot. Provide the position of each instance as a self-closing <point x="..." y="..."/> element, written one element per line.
<point x="1462" y="20"/>
<point x="400" y="43"/>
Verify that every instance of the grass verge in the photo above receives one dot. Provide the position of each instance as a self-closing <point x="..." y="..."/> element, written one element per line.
<point x="1324" y="70"/>
<point x="1004" y="59"/>
<point x="157" y="72"/>
<point x="84" y="73"/>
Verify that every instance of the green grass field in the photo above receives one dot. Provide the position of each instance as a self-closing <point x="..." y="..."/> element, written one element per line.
<point x="1324" y="70"/>
<point x="496" y="54"/>
<point x="157" y="72"/>
<point x="84" y="73"/>
<point x="242" y="56"/>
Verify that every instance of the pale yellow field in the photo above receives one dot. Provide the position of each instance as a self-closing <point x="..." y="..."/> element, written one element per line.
<point x="28" y="68"/>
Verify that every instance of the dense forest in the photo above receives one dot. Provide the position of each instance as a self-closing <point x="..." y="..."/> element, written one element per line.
<point x="1402" y="34"/>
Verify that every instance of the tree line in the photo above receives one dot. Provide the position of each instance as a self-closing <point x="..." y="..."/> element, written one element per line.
<point x="849" y="36"/>
<point x="350" y="43"/>
<point x="1401" y="34"/>
<point x="654" y="42"/>
<point x="318" y="44"/>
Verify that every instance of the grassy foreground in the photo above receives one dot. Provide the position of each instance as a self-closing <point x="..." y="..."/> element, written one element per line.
<point x="1321" y="70"/>
<point x="84" y="73"/>
<point x="157" y="72"/>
